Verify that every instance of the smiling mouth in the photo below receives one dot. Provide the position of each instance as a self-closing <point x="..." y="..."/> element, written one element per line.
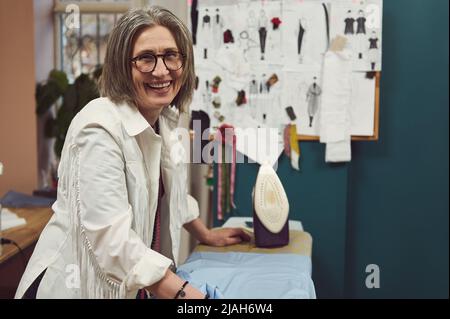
<point x="158" y="85"/>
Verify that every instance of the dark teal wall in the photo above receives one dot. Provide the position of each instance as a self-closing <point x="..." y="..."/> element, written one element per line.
<point x="389" y="206"/>
<point x="398" y="188"/>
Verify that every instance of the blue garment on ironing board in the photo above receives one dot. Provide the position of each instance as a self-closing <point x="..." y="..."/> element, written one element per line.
<point x="251" y="275"/>
<point x="212" y="291"/>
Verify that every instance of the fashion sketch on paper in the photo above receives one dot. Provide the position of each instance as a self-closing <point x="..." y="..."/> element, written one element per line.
<point x="312" y="97"/>
<point x="373" y="50"/>
<point x="263" y="25"/>
<point x="349" y="23"/>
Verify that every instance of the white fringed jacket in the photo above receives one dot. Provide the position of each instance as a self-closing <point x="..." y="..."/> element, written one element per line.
<point x="96" y="245"/>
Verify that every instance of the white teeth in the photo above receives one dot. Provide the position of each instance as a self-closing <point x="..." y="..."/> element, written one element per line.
<point x="158" y="85"/>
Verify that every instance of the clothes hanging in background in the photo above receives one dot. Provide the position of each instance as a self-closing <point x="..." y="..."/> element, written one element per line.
<point x="335" y="107"/>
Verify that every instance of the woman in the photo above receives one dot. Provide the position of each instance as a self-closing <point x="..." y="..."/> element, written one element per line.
<point x="121" y="198"/>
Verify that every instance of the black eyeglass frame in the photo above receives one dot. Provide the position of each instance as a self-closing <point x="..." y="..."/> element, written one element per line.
<point x="156" y="56"/>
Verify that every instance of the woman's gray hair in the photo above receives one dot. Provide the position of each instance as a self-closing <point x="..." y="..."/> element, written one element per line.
<point x="116" y="81"/>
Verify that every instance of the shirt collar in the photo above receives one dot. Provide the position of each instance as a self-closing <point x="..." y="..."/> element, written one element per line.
<point x="132" y="120"/>
<point x="135" y="123"/>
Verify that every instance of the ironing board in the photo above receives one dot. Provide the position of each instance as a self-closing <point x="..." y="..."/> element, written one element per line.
<point x="244" y="271"/>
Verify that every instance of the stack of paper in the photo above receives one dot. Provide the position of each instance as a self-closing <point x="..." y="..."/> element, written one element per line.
<point x="10" y="219"/>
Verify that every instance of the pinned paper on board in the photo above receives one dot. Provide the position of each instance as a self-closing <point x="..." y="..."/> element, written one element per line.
<point x="269" y="55"/>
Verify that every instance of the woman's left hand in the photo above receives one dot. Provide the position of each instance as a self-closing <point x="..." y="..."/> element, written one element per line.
<point x="220" y="237"/>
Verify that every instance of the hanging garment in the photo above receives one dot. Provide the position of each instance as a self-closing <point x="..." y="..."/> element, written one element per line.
<point x="335" y="107"/>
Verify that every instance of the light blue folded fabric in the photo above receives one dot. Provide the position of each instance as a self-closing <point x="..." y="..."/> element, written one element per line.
<point x="212" y="291"/>
<point x="251" y="275"/>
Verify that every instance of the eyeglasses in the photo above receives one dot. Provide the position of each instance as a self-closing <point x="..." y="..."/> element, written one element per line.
<point x="146" y="62"/>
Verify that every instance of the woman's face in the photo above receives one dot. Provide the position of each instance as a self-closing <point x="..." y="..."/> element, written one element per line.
<point x="158" y="88"/>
